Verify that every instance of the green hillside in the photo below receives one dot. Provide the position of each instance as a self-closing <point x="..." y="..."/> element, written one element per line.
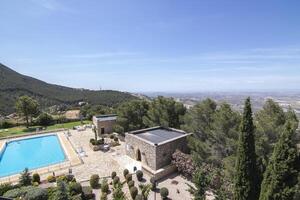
<point x="13" y="85"/>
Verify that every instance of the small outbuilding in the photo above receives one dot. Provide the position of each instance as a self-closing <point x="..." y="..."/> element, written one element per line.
<point x="154" y="147"/>
<point x="104" y="123"/>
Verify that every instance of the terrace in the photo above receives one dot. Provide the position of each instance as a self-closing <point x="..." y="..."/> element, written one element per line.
<point x="103" y="164"/>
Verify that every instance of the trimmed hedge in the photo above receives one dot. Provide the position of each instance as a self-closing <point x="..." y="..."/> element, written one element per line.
<point x="128" y="178"/>
<point x="94" y="181"/>
<point x="133" y="192"/>
<point x="125" y="172"/>
<point x="164" y="193"/>
<point x="116" y="180"/>
<point x="139" y="175"/>
<point x="36" y="178"/>
<point x="113" y="175"/>
<point x="130" y="184"/>
<point x="51" y="179"/>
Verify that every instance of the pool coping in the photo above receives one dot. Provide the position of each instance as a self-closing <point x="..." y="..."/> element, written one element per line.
<point x="72" y="158"/>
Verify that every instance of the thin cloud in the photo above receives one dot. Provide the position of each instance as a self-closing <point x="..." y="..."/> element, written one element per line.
<point x="52" y="5"/>
<point x="102" y="55"/>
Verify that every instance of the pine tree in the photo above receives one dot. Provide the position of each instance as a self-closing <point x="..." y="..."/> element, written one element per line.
<point x="246" y="181"/>
<point x="281" y="177"/>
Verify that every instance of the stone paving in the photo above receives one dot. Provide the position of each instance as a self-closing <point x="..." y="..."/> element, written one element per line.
<point x="104" y="163"/>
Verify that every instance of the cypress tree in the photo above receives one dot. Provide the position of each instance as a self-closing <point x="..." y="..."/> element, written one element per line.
<point x="246" y="181"/>
<point x="281" y="177"/>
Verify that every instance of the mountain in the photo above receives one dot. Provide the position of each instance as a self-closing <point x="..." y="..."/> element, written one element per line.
<point x="14" y="85"/>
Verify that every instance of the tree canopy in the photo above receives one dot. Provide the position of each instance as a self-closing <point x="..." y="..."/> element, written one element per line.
<point x="131" y="115"/>
<point x="281" y="176"/>
<point x="165" y="112"/>
<point x="246" y="178"/>
<point x="27" y="107"/>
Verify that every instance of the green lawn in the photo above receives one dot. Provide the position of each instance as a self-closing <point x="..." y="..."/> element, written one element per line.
<point x="23" y="129"/>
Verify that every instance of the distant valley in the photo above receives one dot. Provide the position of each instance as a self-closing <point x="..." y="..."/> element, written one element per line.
<point x="236" y="99"/>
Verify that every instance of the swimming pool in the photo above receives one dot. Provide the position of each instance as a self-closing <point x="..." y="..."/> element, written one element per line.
<point x="34" y="152"/>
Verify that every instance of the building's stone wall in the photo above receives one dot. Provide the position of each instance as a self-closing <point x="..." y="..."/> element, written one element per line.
<point x="164" y="151"/>
<point x="133" y="144"/>
<point x="107" y="125"/>
<point x="154" y="156"/>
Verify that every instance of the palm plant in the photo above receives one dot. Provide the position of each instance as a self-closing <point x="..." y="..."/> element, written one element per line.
<point x="118" y="193"/>
<point x="145" y="190"/>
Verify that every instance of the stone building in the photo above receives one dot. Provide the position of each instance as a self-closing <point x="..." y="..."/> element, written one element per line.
<point x="154" y="148"/>
<point x="104" y="123"/>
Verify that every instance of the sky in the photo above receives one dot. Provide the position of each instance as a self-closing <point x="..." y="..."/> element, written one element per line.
<point x="154" y="46"/>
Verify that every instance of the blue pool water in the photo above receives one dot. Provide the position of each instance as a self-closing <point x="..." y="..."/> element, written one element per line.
<point x="31" y="153"/>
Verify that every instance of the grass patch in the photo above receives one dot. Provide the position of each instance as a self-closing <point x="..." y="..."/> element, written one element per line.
<point x="23" y="129"/>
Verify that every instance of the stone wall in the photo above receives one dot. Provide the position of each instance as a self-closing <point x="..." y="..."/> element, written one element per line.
<point x="133" y="144"/>
<point x="164" y="151"/>
<point x="107" y="125"/>
<point x="154" y="156"/>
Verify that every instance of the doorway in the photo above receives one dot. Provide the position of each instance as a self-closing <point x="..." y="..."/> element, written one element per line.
<point x="138" y="155"/>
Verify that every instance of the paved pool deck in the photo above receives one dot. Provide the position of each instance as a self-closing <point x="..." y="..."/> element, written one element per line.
<point x="103" y="164"/>
<point x="72" y="158"/>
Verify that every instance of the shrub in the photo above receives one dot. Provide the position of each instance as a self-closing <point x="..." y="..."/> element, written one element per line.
<point x="111" y="136"/>
<point x="130" y="184"/>
<point x="88" y="192"/>
<point x="92" y="141"/>
<point x="6" y="124"/>
<point x="103" y="196"/>
<point x="76" y="197"/>
<point x="164" y="192"/>
<point x="139" y="197"/>
<point x="139" y="175"/>
<point x="25" y="178"/>
<point x="70" y="178"/>
<point x="61" y="178"/>
<point x="15" y="193"/>
<point x="104" y="186"/>
<point x="116" y="180"/>
<point x="99" y="142"/>
<point x="133" y="192"/>
<point x="61" y="192"/>
<point x="5" y="187"/>
<point x="113" y="175"/>
<point x="36" y="193"/>
<point x="35" y="184"/>
<point x="36" y="178"/>
<point x="74" y="188"/>
<point x="184" y="163"/>
<point x="125" y="172"/>
<point x="45" y="119"/>
<point x="51" y="179"/>
<point x="51" y="192"/>
<point x="94" y="181"/>
<point x="128" y="177"/>
<point x="28" y="192"/>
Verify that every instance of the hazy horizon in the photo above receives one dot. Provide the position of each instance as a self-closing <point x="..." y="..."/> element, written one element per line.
<point x="156" y="46"/>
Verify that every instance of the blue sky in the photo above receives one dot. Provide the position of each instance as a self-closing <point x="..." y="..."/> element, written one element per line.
<point x="157" y="45"/>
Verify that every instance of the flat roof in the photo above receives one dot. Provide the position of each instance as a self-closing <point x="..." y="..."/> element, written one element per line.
<point x="106" y="117"/>
<point x="159" y="135"/>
